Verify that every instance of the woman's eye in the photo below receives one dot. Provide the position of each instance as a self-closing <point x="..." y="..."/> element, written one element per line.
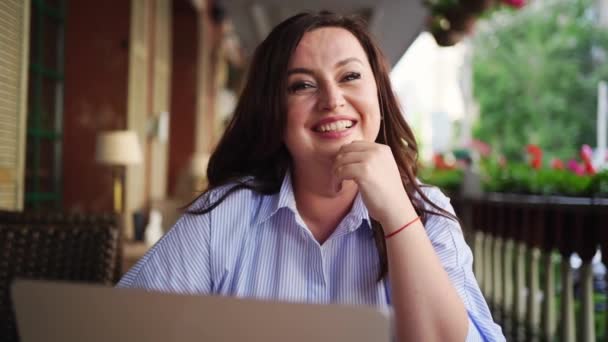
<point x="351" y="76"/>
<point x="299" y="87"/>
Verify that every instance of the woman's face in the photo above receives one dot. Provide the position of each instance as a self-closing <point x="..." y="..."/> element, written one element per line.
<point x="331" y="95"/>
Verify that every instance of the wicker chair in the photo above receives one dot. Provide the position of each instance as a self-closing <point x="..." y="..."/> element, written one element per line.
<point x="55" y="247"/>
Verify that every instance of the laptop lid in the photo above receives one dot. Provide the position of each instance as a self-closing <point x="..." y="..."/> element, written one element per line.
<point x="69" y="312"/>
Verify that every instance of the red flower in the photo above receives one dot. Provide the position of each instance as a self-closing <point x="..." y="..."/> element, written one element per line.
<point x="441" y="163"/>
<point x="536" y="156"/>
<point x="515" y="3"/>
<point x="557" y="164"/>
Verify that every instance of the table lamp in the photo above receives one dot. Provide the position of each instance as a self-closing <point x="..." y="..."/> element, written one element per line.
<point x="118" y="149"/>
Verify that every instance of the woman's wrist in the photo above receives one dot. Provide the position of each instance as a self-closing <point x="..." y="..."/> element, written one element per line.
<point x="404" y="227"/>
<point x="398" y="218"/>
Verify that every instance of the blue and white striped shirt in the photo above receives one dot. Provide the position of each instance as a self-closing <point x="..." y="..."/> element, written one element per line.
<point x="258" y="246"/>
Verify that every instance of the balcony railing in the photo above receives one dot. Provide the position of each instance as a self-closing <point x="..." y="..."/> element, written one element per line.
<point x="517" y="241"/>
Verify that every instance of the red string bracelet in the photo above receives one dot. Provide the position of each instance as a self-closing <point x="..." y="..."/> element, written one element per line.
<point x="402" y="228"/>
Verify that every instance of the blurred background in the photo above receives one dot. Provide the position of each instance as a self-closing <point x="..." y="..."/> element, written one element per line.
<point x="109" y="111"/>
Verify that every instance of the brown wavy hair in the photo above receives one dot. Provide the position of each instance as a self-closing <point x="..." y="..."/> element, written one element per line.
<point x="252" y="147"/>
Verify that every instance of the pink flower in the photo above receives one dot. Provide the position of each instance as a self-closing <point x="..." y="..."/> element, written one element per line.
<point x="481" y="147"/>
<point x="515" y="3"/>
<point x="575" y="167"/>
<point x="502" y="161"/>
<point x="587" y="155"/>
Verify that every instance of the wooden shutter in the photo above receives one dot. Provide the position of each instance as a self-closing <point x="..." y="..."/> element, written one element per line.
<point x="14" y="59"/>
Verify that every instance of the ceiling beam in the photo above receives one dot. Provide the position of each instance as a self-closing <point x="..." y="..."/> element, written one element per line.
<point x="394" y="23"/>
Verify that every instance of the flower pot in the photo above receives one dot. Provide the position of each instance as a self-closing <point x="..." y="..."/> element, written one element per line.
<point x="477" y="6"/>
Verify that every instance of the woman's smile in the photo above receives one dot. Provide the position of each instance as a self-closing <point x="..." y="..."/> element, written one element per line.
<point x="334" y="127"/>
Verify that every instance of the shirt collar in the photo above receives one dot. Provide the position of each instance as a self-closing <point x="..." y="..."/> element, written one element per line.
<point x="359" y="210"/>
<point x="285" y="199"/>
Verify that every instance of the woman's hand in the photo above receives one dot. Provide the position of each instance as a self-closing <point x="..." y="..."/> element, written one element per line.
<point x="373" y="167"/>
<point x="417" y="278"/>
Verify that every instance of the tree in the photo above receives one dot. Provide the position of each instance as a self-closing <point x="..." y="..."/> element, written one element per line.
<point x="535" y="74"/>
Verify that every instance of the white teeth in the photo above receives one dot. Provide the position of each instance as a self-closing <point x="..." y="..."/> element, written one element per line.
<point x="335" y="126"/>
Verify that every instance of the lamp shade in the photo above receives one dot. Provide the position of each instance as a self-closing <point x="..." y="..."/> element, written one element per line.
<point x="118" y="148"/>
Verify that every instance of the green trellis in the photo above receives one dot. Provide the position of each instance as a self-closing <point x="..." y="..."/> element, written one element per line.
<point x="45" y="105"/>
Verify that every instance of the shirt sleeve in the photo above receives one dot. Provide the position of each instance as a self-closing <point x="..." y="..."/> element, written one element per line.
<point x="179" y="262"/>
<point x="474" y="335"/>
<point x="456" y="257"/>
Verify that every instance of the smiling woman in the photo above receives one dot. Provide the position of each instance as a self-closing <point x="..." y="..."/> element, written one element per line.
<point x="313" y="196"/>
<point x="331" y="102"/>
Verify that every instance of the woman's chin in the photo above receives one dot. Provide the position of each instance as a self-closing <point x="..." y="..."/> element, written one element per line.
<point x="329" y="152"/>
<point x="333" y="147"/>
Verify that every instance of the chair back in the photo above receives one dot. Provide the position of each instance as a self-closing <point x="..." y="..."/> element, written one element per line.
<point x="52" y="246"/>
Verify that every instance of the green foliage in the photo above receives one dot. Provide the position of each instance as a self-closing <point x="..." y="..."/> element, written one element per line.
<point x="520" y="178"/>
<point x="600" y="184"/>
<point x="535" y="78"/>
<point x="447" y="180"/>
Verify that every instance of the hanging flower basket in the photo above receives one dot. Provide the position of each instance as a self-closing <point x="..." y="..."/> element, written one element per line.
<point x="451" y="20"/>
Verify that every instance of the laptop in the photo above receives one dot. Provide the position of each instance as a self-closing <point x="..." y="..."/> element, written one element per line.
<point x="70" y="312"/>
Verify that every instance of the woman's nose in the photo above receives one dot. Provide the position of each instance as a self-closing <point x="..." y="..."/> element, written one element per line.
<point x="331" y="97"/>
